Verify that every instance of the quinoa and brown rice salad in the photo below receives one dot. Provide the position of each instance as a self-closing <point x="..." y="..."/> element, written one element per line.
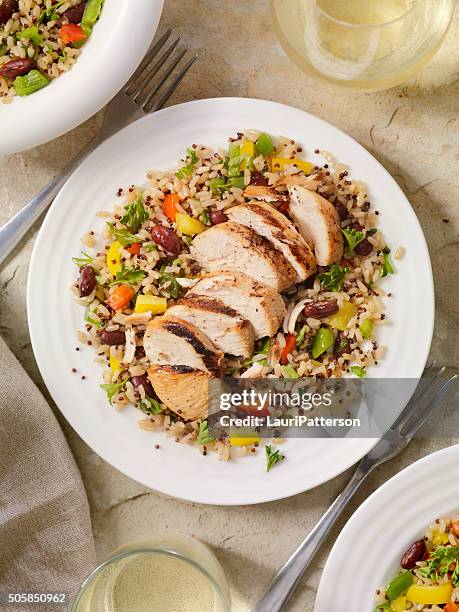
<point x="141" y="264"/>
<point x="428" y="579"/>
<point x="40" y="40"/>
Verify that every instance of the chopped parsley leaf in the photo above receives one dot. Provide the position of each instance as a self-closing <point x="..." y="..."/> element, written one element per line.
<point x="135" y="215"/>
<point x="272" y="456"/>
<point x="333" y="280"/>
<point x="358" y="371"/>
<point x="112" y="389"/>
<point x="131" y="276"/>
<point x="387" y="265"/>
<point x="123" y="236"/>
<point x="353" y="237"/>
<point x="82" y="261"/>
<point x="150" y="405"/>
<point x="204" y="435"/>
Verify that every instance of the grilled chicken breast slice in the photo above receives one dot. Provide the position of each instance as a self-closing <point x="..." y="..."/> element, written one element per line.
<point x="258" y="303"/>
<point x="319" y="223"/>
<point x="232" y="246"/>
<point x="183" y="389"/>
<point x="281" y="233"/>
<point x="172" y="341"/>
<point x="227" y="329"/>
<point x="262" y="192"/>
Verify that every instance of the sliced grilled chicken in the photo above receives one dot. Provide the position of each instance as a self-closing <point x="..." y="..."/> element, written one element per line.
<point x="319" y="222"/>
<point x="258" y="303"/>
<point x="183" y="389"/>
<point x="263" y="192"/>
<point x="172" y="341"/>
<point x="275" y="227"/>
<point x="225" y="327"/>
<point x="231" y="246"/>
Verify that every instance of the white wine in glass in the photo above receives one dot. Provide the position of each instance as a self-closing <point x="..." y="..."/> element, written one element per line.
<point x="170" y="573"/>
<point x="362" y="44"/>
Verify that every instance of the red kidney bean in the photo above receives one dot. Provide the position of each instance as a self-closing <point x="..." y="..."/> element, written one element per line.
<point x="87" y="281"/>
<point x="74" y="14"/>
<point x="319" y="310"/>
<point x="113" y="338"/>
<point x="414" y="554"/>
<point x="356" y="226"/>
<point x="145" y="382"/>
<point x="7" y="8"/>
<point x="256" y="178"/>
<point x="364" y="248"/>
<point x="167" y="239"/>
<point x="17" y="67"/>
<point x="218" y="216"/>
<point x="341" y="209"/>
<point x="342" y="346"/>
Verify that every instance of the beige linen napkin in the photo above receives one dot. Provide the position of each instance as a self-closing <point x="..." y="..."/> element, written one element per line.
<point x="46" y="543"/>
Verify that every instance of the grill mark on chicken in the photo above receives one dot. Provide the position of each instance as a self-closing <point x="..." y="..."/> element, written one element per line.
<point x="176" y="369"/>
<point x="204" y="303"/>
<point x="298" y="253"/>
<point x="268" y="217"/>
<point x="182" y="331"/>
<point x="274" y="227"/>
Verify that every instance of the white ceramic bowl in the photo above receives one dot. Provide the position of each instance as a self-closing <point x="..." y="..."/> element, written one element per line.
<point x="367" y="552"/>
<point x="118" y="43"/>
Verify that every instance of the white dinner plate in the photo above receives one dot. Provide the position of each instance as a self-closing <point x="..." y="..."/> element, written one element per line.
<point x="367" y="553"/>
<point x="118" y="42"/>
<point x="158" y="141"/>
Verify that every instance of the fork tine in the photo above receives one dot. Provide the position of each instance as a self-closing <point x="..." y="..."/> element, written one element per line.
<point x="172" y="87"/>
<point x="149" y="95"/>
<point x="430" y="374"/>
<point x="146" y="79"/>
<point x="409" y="430"/>
<point x="132" y="83"/>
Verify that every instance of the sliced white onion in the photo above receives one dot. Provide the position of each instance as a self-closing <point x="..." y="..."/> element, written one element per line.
<point x="256" y="371"/>
<point x="129" y="350"/>
<point x="287" y="318"/>
<point x="295" y="313"/>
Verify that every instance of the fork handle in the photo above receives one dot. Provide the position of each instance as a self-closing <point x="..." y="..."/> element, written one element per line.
<point x="286" y="580"/>
<point x="14" y="229"/>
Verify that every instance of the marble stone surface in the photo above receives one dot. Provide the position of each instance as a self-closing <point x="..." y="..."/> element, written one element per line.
<point x="411" y="129"/>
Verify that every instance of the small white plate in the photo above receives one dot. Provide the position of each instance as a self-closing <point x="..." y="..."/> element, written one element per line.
<point x="158" y="141"/>
<point x="367" y="553"/>
<point x="119" y="41"/>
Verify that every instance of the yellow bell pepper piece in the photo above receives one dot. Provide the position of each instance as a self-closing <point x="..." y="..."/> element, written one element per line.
<point x="248" y="148"/>
<point x="341" y="319"/>
<point x="439" y="538"/>
<point x="114" y="257"/>
<point x="236" y="441"/>
<point x="398" y="605"/>
<point x="279" y="162"/>
<point x="424" y="594"/>
<point x="187" y="225"/>
<point x="247" y="151"/>
<point x="115" y="366"/>
<point x="150" y="303"/>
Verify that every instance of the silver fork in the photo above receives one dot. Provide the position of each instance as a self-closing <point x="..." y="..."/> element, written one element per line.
<point x="147" y="91"/>
<point x="429" y="393"/>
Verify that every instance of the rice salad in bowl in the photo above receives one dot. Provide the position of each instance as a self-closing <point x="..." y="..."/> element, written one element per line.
<point x="203" y="271"/>
<point x="40" y="40"/>
<point x="428" y="578"/>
